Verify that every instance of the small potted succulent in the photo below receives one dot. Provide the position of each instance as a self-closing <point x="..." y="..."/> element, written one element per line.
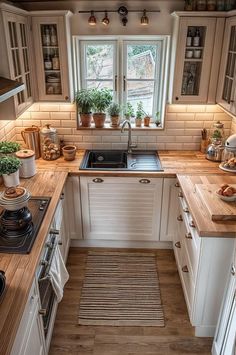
<point x="102" y="98"/>
<point x="9" y="169"/>
<point x="9" y="147"/>
<point x="114" y="112"/>
<point x="128" y="111"/>
<point x="139" y="114"/>
<point x="84" y="104"/>
<point x="146" y="119"/>
<point x="157" y="120"/>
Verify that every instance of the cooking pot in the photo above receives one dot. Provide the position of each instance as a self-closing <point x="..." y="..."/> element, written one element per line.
<point x="2" y="284"/>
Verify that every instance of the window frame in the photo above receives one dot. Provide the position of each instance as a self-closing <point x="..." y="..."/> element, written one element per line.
<point x="161" y="76"/>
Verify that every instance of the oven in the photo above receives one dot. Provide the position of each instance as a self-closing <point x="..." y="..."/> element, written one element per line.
<point x="47" y="295"/>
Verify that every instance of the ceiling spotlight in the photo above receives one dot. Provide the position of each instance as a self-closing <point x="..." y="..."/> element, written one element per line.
<point x="144" y="19"/>
<point x="105" y="20"/>
<point x="92" y="19"/>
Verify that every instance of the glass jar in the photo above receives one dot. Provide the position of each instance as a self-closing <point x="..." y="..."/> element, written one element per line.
<point x="217" y="135"/>
<point x="49" y="141"/>
<point x="201" y="5"/>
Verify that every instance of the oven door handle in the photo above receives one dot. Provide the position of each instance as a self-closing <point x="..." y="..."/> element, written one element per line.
<point x="49" y="262"/>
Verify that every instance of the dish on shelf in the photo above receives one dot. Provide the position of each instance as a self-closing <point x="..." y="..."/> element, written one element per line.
<point x="230" y="170"/>
<point x="53" y="79"/>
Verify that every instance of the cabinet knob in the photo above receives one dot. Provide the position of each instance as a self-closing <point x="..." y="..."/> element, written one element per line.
<point x="178" y="245"/>
<point x="62" y="196"/>
<point x="188" y="236"/>
<point x="180" y="194"/>
<point x="97" y="180"/>
<point x="185" y="268"/>
<point x="180" y="218"/>
<point x="144" y="181"/>
<point x="66" y="98"/>
<point x="233" y="270"/>
<point x="177" y="184"/>
<point x="43" y="311"/>
<point x="60" y="242"/>
<point x="192" y="224"/>
<point x="176" y="98"/>
<point x="186" y="210"/>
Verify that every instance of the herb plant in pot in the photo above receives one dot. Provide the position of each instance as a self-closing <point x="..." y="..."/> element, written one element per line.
<point x="84" y="103"/>
<point x="9" y="169"/>
<point x="114" y="111"/>
<point x="102" y="98"/>
<point x="128" y="111"/>
<point x="9" y="148"/>
<point x="139" y="114"/>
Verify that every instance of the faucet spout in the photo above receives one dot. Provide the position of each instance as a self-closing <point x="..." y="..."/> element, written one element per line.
<point x="130" y="144"/>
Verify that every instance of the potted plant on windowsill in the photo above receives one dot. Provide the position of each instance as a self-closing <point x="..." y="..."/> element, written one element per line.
<point x="128" y="111"/>
<point x="84" y="103"/>
<point x="9" y="169"/>
<point x="139" y="114"/>
<point x="102" y="98"/>
<point x="114" y="112"/>
<point x="9" y="148"/>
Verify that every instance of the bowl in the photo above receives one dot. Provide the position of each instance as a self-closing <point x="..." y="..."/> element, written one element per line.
<point x="226" y="198"/>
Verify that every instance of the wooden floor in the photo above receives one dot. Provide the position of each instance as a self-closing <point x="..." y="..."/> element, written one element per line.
<point x="177" y="337"/>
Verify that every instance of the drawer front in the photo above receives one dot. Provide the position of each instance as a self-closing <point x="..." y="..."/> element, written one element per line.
<point x="187" y="282"/>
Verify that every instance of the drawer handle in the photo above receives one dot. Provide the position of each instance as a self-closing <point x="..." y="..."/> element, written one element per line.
<point x="180" y="218"/>
<point x="62" y="196"/>
<point x="186" y="210"/>
<point x="60" y="242"/>
<point x="54" y="231"/>
<point x="192" y="224"/>
<point x="43" y="312"/>
<point x="180" y="194"/>
<point x="178" y="245"/>
<point x="177" y="184"/>
<point x="144" y="181"/>
<point x="188" y="236"/>
<point x="97" y="180"/>
<point x="233" y="270"/>
<point x="185" y="268"/>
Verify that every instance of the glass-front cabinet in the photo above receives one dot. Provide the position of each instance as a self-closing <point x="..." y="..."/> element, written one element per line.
<point x="52" y="54"/>
<point x="226" y="95"/>
<point x="195" y="59"/>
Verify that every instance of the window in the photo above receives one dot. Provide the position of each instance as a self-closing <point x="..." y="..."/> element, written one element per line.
<point x="134" y="69"/>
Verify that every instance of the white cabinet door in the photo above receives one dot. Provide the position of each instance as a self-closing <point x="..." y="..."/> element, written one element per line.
<point x="169" y="210"/>
<point x="73" y="207"/>
<point x="121" y="208"/>
<point x="35" y="342"/>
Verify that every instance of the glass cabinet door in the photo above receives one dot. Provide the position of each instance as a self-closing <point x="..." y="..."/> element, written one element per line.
<point x="51" y="59"/>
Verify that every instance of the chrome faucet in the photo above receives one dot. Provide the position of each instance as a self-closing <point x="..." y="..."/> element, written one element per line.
<point x="130" y="144"/>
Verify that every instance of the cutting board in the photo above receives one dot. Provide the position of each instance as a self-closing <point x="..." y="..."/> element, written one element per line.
<point x="219" y="210"/>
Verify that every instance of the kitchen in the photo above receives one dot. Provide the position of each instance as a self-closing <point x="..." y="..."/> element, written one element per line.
<point x="182" y="117"/>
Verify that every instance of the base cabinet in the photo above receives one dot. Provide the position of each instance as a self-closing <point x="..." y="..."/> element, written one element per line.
<point x="73" y="207"/>
<point x="121" y="208"/>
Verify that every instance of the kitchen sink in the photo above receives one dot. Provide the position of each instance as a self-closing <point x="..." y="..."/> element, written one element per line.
<point x="121" y="160"/>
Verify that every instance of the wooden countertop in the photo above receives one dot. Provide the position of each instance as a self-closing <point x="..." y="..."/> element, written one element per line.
<point x="205" y="226"/>
<point x="20" y="269"/>
<point x="173" y="163"/>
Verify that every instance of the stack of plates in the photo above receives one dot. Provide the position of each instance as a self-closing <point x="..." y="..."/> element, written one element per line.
<point x="13" y="203"/>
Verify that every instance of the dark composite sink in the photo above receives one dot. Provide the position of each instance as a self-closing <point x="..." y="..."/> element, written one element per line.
<point x="121" y="160"/>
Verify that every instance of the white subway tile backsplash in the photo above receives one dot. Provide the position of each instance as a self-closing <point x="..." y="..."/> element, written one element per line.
<point x="92" y="139"/>
<point x="68" y="123"/>
<point x="53" y="123"/>
<point x="204" y="116"/>
<point x="67" y="108"/>
<point x="102" y="146"/>
<point x="175" y="132"/>
<point x="111" y="139"/>
<point x="194" y="124"/>
<point x="40" y="115"/>
<point x="185" y="116"/>
<point x="196" y="108"/>
<point x="49" y="107"/>
<point x="64" y="130"/>
<point x="174" y="146"/>
<point x="222" y="117"/>
<point x="149" y="139"/>
<point x="60" y="115"/>
<point x="165" y="139"/>
<point x="191" y="146"/>
<point x="84" y="145"/>
<point x="213" y="108"/>
<point x="186" y="139"/>
<point x="176" y="108"/>
<point x="175" y="125"/>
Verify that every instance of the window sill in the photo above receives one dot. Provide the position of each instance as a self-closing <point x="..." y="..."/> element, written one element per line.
<point x="107" y="125"/>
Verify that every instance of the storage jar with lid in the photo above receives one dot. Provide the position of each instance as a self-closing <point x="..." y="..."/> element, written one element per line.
<point x="27" y="158"/>
<point x="217" y="135"/>
<point x="49" y="141"/>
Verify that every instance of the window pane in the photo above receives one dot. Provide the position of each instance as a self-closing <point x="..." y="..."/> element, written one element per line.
<point x="100" y="85"/>
<point x="141" y="61"/>
<point x="141" y="91"/>
<point x="99" y="61"/>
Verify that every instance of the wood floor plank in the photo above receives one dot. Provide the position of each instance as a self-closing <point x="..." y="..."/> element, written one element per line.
<point x="176" y="338"/>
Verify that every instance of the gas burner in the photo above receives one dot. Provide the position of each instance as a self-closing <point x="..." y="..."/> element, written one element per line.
<point x="18" y="229"/>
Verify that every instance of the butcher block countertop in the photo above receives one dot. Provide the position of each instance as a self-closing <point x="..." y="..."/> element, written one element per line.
<point x="202" y="219"/>
<point x="20" y="269"/>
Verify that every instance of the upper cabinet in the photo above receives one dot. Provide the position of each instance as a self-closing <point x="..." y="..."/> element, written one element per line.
<point x="226" y="94"/>
<point x="197" y="43"/>
<point x="51" y="33"/>
<point x="16" y="61"/>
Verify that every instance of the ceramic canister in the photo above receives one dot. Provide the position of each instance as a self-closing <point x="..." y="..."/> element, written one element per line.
<point x="28" y="167"/>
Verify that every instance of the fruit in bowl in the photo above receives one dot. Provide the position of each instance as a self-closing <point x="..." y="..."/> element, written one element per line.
<point x="226" y="193"/>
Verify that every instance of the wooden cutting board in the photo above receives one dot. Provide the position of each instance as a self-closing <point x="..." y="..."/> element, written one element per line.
<point x="219" y="210"/>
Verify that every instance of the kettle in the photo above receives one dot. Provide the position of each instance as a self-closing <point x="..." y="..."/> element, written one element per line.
<point x="31" y="138"/>
<point x="214" y="151"/>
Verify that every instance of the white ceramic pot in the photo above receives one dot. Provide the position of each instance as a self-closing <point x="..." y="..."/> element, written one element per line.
<point x="11" y="179"/>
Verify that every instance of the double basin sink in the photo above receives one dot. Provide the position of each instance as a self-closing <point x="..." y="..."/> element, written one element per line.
<point x="121" y="160"/>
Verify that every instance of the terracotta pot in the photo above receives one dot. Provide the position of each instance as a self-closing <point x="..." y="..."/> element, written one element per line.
<point x="69" y="152"/>
<point x="11" y="179"/>
<point x="115" y="121"/>
<point x="86" y="119"/>
<point x="138" y="122"/>
<point x="147" y="121"/>
<point x="99" y="119"/>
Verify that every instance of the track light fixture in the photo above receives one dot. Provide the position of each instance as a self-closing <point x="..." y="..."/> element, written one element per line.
<point x="105" y="20"/>
<point x="92" y="19"/>
<point x="144" y="19"/>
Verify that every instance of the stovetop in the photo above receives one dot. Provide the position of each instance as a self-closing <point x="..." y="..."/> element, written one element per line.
<point x="23" y="245"/>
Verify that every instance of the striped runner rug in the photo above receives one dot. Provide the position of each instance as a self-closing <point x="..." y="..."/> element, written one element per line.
<point x="121" y="289"/>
